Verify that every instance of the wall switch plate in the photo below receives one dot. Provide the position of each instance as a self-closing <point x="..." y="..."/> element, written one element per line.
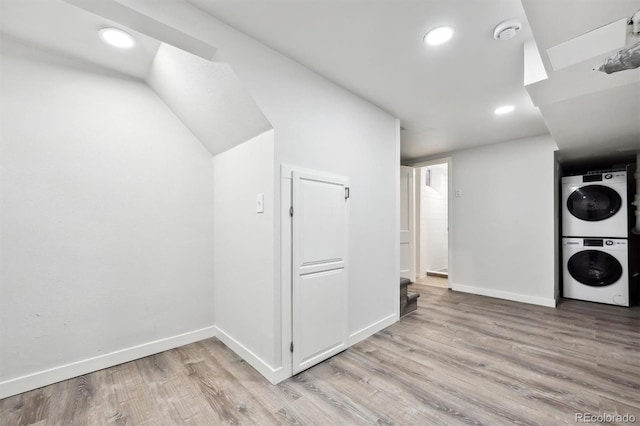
<point x="260" y="203"/>
<point x="458" y="193"/>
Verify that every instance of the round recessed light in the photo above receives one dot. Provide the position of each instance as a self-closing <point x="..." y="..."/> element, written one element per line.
<point x="117" y="38"/>
<point x="439" y="35"/>
<point x="505" y="109"/>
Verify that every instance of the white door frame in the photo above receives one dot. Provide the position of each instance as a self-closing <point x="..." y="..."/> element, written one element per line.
<point x="286" y="268"/>
<point x="411" y="223"/>
<point x="450" y="195"/>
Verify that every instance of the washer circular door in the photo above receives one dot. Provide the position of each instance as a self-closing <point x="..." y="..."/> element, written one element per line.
<point x="594" y="202"/>
<point x="594" y="268"/>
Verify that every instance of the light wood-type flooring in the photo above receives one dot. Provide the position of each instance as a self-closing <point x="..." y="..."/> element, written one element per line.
<point x="433" y="281"/>
<point x="459" y="359"/>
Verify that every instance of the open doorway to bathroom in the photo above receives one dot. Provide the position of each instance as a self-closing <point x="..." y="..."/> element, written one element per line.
<point x="432" y="224"/>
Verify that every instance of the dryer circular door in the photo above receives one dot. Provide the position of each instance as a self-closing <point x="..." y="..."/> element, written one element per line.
<point x="594" y="202"/>
<point x="594" y="268"/>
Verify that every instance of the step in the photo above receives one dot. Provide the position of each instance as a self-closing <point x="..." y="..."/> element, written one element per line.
<point x="410" y="305"/>
<point x="408" y="299"/>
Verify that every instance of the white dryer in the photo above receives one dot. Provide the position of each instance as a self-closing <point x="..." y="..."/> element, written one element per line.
<point x="595" y="205"/>
<point x="596" y="270"/>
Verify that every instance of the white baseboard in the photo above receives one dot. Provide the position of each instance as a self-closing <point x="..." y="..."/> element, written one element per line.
<point x="64" y="372"/>
<point x="53" y="375"/>
<point x="273" y="375"/>
<point x="372" y="329"/>
<point x="277" y="375"/>
<point x="534" y="300"/>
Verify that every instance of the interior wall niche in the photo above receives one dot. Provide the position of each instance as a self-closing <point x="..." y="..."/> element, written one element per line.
<point x="574" y="163"/>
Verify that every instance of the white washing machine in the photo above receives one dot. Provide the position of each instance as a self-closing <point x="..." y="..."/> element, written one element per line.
<point x="596" y="270"/>
<point x="595" y="205"/>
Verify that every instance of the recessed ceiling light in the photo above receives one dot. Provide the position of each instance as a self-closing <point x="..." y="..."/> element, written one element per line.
<point x="505" y="109"/>
<point x="117" y="38"/>
<point x="439" y="35"/>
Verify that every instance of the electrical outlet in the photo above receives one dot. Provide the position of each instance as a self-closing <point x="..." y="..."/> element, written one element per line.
<point x="458" y="193"/>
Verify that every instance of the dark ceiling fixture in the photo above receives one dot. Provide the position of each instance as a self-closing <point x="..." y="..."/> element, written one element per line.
<point x="627" y="58"/>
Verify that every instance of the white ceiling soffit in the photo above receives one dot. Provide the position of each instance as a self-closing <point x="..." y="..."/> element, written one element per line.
<point x="60" y="27"/>
<point x="583" y="108"/>
<point x="131" y="18"/>
<point x="445" y="95"/>
<point x="588" y="114"/>
<point x="533" y="66"/>
<point x="589" y="45"/>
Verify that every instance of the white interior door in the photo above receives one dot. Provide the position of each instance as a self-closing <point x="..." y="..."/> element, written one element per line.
<point x="319" y="254"/>
<point x="407" y="223"/>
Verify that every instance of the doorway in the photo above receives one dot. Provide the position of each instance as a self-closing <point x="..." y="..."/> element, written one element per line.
<point x="432" y="224"/>
<point x="407" y="223"/>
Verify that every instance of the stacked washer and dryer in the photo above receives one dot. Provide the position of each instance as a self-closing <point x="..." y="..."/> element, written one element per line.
<point x="595" y="243"/>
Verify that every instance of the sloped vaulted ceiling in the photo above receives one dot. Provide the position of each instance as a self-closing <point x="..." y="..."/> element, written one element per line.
<point x="206" y="96"/>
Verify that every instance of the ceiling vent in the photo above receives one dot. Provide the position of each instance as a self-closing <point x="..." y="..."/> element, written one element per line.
<point x="506" y="30"/>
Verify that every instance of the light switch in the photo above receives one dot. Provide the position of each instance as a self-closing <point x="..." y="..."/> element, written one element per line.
<point x="458" y="193"/>
<point x="260" y="203"/>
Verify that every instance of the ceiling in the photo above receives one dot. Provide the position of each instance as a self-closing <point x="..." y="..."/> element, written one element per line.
<point x="444" y="95"/>
<point x="73" y="32"/>
<point x="206" y="96"/>
<point x="588" y="112"/>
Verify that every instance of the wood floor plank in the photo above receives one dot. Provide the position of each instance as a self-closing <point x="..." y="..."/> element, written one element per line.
<point x="247" y="405"/>
<point x="275" y="399"/>
<point x="495" y="397"/>
<point x="370" y="402"/>
<point x="338" y="406"/>
<point x="402" y="406"/>
<point x="458" y="359"/>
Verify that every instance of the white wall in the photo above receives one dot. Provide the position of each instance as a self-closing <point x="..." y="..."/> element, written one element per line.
<point x="320" y="126"/>
<point x="244" y="276"/>
<point x="434" y="234"/>
<point x="503" y="224"/>
<point x="208" y="98"/>
<point x="106" y="238"/>
<point x="335" y="132"/>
